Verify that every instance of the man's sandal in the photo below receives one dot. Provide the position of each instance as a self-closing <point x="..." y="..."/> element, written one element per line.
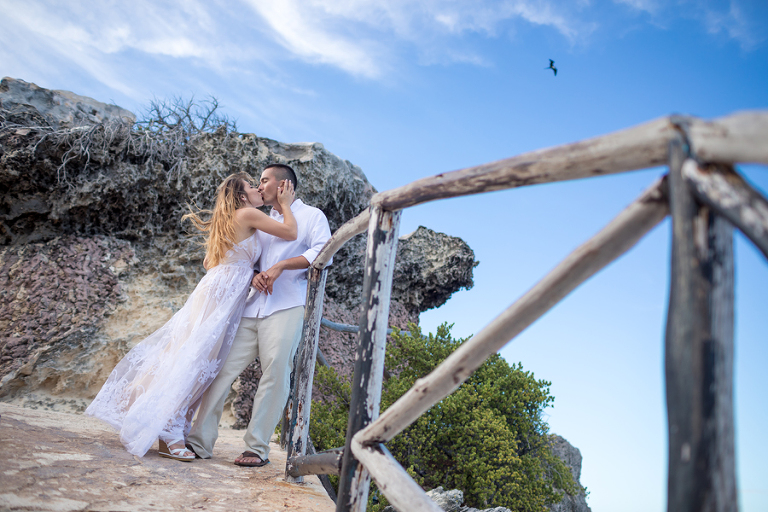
<point x="250" y="455"/>
<point x="176" y="453"/>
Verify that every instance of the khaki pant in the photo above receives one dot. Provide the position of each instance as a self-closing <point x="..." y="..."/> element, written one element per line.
<point x="273" y="340"/>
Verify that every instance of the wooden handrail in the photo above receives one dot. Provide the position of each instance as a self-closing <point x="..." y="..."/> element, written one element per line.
<point x="352" y="227"/>
<point x="607" y="245"/>
<point x="323" y="463"/>
<point x="736" y="138"/>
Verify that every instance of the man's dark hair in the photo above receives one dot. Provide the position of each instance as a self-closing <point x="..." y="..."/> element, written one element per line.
<point x="285" y="172"/>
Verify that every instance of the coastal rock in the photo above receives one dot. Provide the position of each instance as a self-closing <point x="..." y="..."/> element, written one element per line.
<point x="31" y="104"/>
<point x="571" y="455"/>
<point x="93" y="206"/>
<point x="451" y="501"/>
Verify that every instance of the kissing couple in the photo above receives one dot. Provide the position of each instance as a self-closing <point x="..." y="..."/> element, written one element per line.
<point x="172" y="385"/>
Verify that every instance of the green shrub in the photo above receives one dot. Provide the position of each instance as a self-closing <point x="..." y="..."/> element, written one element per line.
<point x="487" y="438"/>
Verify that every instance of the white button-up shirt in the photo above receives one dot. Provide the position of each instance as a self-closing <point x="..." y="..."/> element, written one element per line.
<point x="290" y="289"/>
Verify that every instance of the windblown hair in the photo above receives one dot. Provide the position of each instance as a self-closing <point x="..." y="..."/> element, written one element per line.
<point x="220" y="227"/>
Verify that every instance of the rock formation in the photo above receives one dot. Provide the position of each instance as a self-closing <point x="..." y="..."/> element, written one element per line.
<point x="94" y="257"/>
<point x="572" y="458"/>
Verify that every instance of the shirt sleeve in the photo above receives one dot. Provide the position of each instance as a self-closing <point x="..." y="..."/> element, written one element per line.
<point x="318" y="234"/>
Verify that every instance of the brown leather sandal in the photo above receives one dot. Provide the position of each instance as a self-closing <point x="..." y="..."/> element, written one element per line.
<point x="250" y="455"/>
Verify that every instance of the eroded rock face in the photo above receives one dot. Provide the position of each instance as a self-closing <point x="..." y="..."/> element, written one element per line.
<point x="33" y="105"/>
<point x="96" y="208"/>
<point x="571" y="455"/>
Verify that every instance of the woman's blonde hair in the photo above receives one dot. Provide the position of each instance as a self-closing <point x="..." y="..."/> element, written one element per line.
<point x="220" y="227"/>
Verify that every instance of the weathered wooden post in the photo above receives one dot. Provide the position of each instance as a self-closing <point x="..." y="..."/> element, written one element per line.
<point x="369" y="365"/>
<point x="699" y="353"/>
<point x="304" y="371"/>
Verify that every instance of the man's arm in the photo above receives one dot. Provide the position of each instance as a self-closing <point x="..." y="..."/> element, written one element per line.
<point x="317" y="237"/>
<point x="263" y="281"/>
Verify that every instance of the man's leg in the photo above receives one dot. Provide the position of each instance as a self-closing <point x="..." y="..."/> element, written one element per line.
<point x="279" y="336"/>
<point x="205" y="429"/>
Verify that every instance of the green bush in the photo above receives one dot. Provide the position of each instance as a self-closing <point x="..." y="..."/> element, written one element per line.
<point x="487" y="438"/>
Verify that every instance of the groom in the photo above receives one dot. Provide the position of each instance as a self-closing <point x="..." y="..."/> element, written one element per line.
<point x="270" y="328"/>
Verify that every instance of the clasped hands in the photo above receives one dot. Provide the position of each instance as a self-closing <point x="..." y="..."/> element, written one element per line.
<point x="263" y="281"/>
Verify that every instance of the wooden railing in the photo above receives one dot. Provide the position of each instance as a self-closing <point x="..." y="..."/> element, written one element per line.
<point x="705" y="197"/>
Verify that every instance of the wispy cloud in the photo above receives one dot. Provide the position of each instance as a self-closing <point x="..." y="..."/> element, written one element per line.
<point x="736" y="23"/>
<point x="359" y="36"/>
<point x="88" y="35"/>
<point x="733" y="18"/>
<point x="650" y="6"/>
<point x="370" y="39"/>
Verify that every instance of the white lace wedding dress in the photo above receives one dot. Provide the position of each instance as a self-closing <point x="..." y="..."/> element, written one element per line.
<point x="156" y="388"/>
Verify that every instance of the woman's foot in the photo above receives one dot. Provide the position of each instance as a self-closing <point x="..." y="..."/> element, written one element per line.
<point x="177" y="450"/>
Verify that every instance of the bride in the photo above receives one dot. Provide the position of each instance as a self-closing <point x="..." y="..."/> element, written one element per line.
<point x="154" y="391"/>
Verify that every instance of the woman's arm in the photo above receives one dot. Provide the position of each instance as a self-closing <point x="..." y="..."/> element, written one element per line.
<point x="287" y="230"/>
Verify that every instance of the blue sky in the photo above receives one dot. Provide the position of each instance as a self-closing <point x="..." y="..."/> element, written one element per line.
<point x="407" y="90"/>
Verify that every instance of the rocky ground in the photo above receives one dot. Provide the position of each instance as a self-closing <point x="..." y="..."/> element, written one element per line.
<point x="64" y="462"/>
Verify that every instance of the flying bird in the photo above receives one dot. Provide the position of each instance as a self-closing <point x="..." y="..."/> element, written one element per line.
<point x="552" y="66"/>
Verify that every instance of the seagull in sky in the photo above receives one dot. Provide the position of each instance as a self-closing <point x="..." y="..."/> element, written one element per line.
<point x="552" y="66"/>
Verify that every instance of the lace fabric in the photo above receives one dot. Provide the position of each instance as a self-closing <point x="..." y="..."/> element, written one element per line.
<point x="156" y="388"/>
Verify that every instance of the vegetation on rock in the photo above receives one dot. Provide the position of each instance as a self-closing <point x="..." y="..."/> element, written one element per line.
<point x="487" y="438"/>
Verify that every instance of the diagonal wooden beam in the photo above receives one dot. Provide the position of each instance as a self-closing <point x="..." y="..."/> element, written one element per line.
<point x="721" y="188"/>
<point x="611" y="242"/>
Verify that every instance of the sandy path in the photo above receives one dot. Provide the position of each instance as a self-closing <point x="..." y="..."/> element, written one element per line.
<point x="52" y="461"/>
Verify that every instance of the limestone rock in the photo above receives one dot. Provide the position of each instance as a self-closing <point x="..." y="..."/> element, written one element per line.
<point x="94" y="206"/>
<point x="572" y="458"/>
<point x="451" y="501"/>
<point x="58" y="109"/>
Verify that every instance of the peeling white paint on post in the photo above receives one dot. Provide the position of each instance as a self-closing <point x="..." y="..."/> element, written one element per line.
<point x="369" y="362"/>
<point x="304" y="371"/>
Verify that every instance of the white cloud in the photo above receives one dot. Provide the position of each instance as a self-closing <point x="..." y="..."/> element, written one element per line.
<point x="733" y="20"/>
<point x="87" y="34"/>
<point x="304" y="31"/>
<point x="364" y="38"/>
<point x="650" y="6"/>
<point x="735" y="23"/>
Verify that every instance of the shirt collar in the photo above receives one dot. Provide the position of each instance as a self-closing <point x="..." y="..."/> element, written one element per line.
<point x="295" y="205"/>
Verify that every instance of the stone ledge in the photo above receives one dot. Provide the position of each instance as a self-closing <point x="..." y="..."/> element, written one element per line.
<point x="63" y="462"/>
